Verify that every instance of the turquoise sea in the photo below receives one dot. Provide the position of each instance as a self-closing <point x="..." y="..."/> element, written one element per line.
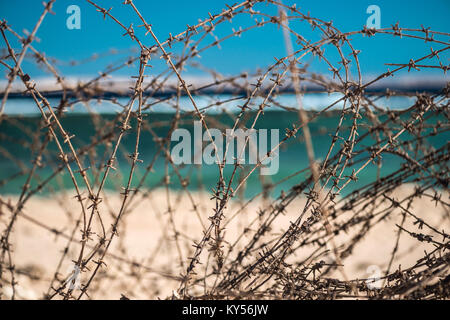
<point x="22" y="132"/>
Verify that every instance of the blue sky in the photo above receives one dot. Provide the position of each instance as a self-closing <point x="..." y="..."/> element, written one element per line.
<point x="255" y="49"/>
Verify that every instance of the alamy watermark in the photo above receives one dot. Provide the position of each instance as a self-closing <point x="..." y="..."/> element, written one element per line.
<point x="74" y="20"/>
<point x="231" y="144"/>
<point x="374" y="20"/>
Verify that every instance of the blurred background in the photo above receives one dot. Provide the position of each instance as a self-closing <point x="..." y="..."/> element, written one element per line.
<point x="256" y="49"/>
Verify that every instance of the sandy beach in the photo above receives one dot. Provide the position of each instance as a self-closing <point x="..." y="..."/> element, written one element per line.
<point x="146" y="237"/>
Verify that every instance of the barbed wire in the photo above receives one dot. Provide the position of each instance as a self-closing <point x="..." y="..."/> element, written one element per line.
<point x="297" y="262"/>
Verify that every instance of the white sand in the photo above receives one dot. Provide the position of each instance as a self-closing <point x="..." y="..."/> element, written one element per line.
<point x="147" y="237"/>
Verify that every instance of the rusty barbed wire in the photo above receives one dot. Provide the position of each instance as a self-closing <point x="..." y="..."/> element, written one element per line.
<point x="242" y="247"/>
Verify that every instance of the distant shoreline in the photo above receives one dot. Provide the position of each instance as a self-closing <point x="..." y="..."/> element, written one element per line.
<point x="405" y="90"/>
<point x="117" y="88"/>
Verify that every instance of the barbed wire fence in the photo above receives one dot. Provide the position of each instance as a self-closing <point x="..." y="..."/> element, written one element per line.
<point x="306" y="258"/>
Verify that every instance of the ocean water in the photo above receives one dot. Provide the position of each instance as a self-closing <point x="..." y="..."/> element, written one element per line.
<point x="22" y="133"/>
<point x="311" y="101"/>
